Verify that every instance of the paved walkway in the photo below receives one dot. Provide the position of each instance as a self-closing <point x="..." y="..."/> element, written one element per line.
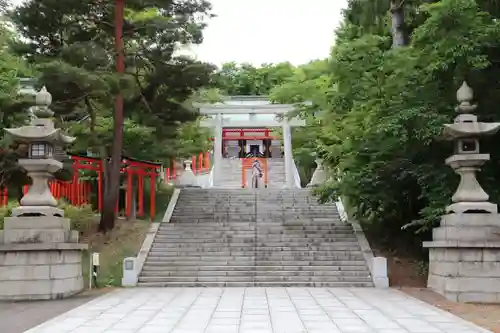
<point x="256" y="310"/>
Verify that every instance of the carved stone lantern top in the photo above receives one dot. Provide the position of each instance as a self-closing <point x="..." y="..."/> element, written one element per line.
<point x="41" y="129"/>
<point x="466" y="124"/>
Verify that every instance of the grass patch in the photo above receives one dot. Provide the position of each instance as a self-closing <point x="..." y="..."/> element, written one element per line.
<point x="125" y="240"/>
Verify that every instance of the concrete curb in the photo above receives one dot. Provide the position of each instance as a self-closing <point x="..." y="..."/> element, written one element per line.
<point x="365" y="248"/>
<point x="171" y="206"/>
<point x="153" y="230"/>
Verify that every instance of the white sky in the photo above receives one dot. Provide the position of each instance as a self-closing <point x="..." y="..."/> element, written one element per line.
<point x="269" y="31"/>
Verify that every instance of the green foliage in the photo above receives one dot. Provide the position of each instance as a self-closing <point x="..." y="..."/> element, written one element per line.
<point x="6" y="211"/>
<point x="309" y="86"/>
<point x="245" y="79"/>
<point x="13" y="108"/>
<point x="74" y="49"/>
<point x="381" y="133"/>
<point x="82" y="218"/>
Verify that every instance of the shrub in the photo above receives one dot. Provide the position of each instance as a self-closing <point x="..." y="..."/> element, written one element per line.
<point x="6" y="211"/>
<point x="82" y="217"/>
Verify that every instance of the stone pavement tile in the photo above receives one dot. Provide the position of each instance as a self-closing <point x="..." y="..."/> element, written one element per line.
<point x="257" y="310"/>
<point x="222" y="329"/>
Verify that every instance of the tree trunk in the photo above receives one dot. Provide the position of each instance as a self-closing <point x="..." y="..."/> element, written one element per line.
<point x="399" y="33"/>
<point x="112" y="183"/>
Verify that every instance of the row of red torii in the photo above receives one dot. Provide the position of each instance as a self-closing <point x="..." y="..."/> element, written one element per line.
<point x="78" y="191"/>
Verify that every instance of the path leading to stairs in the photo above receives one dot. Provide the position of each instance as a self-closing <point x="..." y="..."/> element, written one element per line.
<point x="256" y="310"/>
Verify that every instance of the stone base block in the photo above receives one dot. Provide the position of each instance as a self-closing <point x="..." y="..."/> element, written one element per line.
<point x="36" y="222"/>
<point x="41" y="229"/>
<point x="40" y="271"/>
<point x="471" y="207"/>
<point x="37" y="211"/>
<point x="464" y="273"/>
<point x="21" y="236"/>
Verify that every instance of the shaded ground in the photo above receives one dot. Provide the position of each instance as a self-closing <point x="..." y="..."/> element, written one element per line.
<point x="124" y="241"/>
<point x="410" y="276"/>
<point x="17" y="317"/>
<point x="487" y="316"/>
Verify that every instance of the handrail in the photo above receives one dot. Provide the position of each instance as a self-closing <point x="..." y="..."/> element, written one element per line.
<point x="296" y="176"/>
<point x="211" y="177"/>
<point x="246" y="163"/>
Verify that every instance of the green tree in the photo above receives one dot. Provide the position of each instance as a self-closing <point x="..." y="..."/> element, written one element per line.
<point x="389" y="106"/>
<point x="309" y="86"/>
<point x="13" y="109"/>
<point x="74" y="48"/>
<point x="246" y="79"/>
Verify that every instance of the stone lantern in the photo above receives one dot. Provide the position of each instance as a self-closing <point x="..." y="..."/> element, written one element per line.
<point x="466" y="245"/>
<point x="187" y="178"/>
<point x="37" y="243"/>
<point x="465" y="131"/>
<point x="320" y="175"/>
<point x="41" y="137"/>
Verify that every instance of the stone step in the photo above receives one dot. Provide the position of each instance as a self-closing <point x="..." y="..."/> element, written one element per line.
<point x="251" y="278"/>
<point x="251" y="251"/>
<point x="259" y="243"/>
<point x="302" y="234"/>
<point x="161" y="262"/>
<point x="148" y="267"/>
<point x="261" y="225"/>
<point x="257" y="284"/>
<point x="251" y="246"/>
<point x="252" y="242"/>
<point x="249" y="242"/>
<point x="261" y="233"/>
<point x="251" y="258"/>
<point x="258" y="274"/>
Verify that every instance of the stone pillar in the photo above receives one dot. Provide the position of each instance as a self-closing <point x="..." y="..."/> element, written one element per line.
<point x="217" y="148"/>
<point x="287" y="147"/>
<point x="464" y="254"/>
<point x="319" y="176"/>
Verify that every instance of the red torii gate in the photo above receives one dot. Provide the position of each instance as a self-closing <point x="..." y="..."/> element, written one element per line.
<point x="131" y="167"/>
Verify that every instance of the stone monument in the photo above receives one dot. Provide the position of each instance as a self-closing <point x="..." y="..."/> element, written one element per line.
<point x="187" y="178"/>
<point x="464" y="255"/>
<point x="40" y="257"/>
<point x="319" y="176"/>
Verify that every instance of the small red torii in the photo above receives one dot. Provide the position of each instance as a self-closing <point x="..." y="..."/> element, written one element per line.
<point x="130" y="167"/>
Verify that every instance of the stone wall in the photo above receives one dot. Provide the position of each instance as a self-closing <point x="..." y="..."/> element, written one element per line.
<point x="39" y="271"/>
<point x="466" y="274"/>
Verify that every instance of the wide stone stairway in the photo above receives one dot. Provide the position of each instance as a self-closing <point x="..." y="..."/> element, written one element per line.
<point x="229" y="237"/>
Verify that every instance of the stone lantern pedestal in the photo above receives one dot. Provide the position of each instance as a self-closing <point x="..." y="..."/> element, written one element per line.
<point x="40" y="257"/>
<point x="187" y="178"/>
<point x="319" y="176"/>
<point x="464" y="254"/>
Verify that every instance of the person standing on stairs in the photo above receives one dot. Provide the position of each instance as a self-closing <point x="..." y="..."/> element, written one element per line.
<point x="256" y="173"/>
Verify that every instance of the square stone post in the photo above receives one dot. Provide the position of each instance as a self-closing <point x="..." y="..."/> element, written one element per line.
<point x="287" y="147"/>
<point x="217" y="148"/>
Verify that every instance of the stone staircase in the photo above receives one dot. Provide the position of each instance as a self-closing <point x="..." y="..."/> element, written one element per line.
<point x="231" y="173"/>
<point x="224" y="237"/>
